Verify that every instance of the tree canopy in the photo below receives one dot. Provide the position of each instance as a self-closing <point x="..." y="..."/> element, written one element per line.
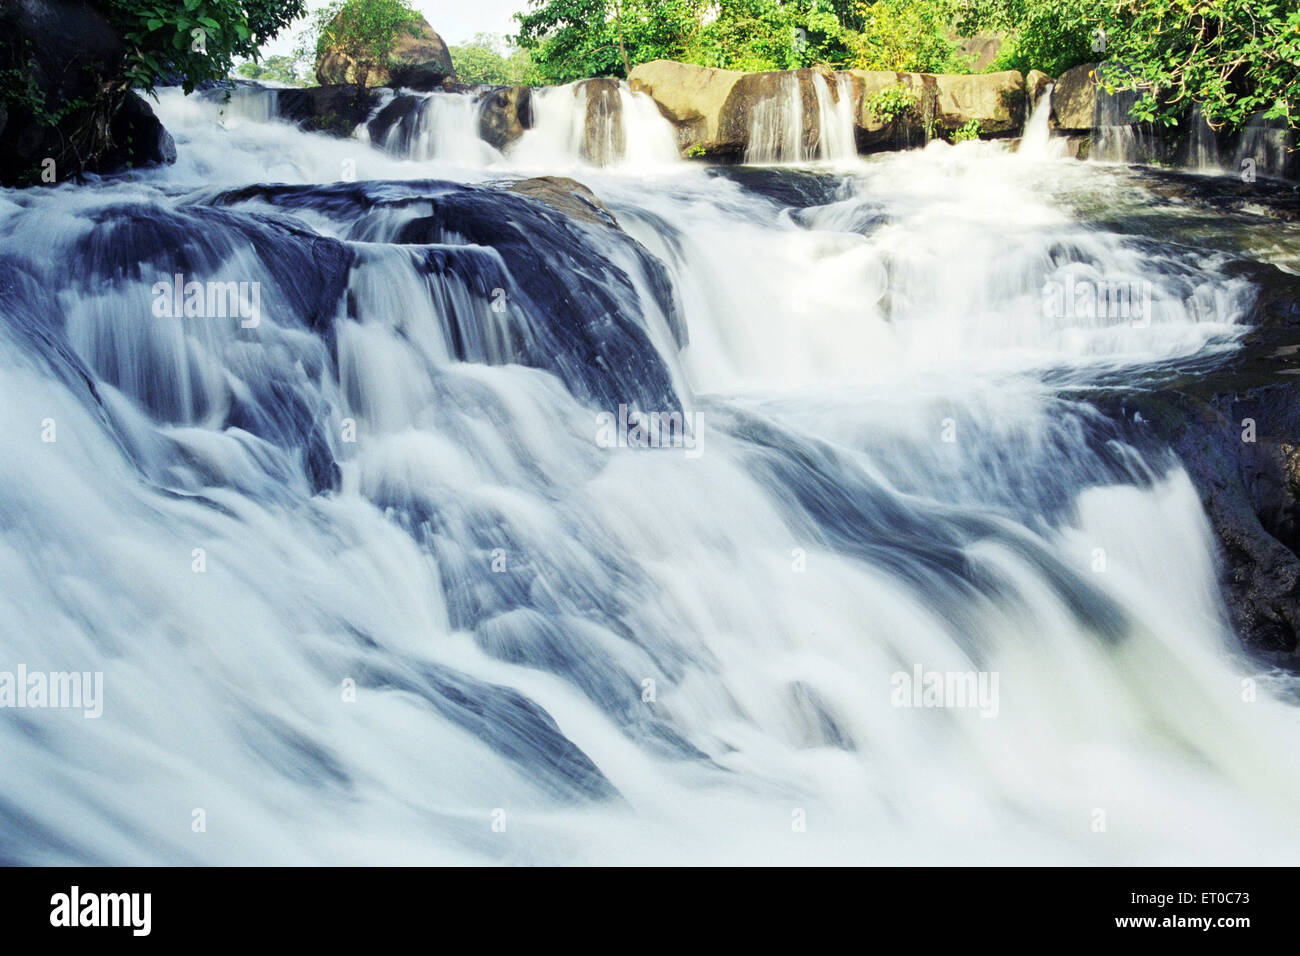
<point x="194" y="40"/>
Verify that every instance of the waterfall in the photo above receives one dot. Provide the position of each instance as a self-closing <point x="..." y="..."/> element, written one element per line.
<point x="1037" y="141"/>
<point x="595" y="122"/>
<point x="1202" y="145"/>
<point x="442" y="126"/>
<point x="1264" y="148"/>
<point x="776" y="133"/>
<point x="837" y="142"/>
<point x="1115" y="137"/>
<point x="395" y="505"/>
<point x="782" y="131"/>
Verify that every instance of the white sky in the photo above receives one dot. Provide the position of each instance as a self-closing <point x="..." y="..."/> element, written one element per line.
<point x="454" y="22"/>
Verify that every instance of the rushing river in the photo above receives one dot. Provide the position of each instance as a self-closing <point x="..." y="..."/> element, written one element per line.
<point x="375" y="571"/>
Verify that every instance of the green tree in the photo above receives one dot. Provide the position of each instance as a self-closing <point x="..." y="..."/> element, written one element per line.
<point x="278" y="69"/>
<point x="1234" y="57"/>
<point x="572" y="39"/>
<point x="487" y="59"/>
<point x="365" y="31"/>
<point x="1047" y="35"/>
<point x="907" y="35"/>
<point x="193" y="40"/>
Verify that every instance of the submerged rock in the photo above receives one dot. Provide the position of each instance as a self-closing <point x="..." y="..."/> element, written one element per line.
<point x="568" y="196"/>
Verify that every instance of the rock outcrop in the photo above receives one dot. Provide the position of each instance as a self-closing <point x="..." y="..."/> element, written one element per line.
<point x="1074" y="99"/>
<point x="419" y="61"/>
<point x="1235" y="426"/>
<point x="712" y="110"/>
<point x="505" y="114"/>
<point x="1035" y="86"/>
<point x="694" y="99"/>
<point x="336" y="110"/>
<point x="568" y="196"/>
<point x="67" y="109"/>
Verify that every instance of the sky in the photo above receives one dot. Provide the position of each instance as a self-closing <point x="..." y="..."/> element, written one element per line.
<point x="454" y="22"/>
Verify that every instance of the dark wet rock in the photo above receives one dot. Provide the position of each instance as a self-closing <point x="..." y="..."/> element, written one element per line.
<point x="338" y="109"/>
<point x="65" y="61"/>
<point x="1274" y="198"/>
<point x="1235" y="425"/>
<point x="138" y="139"/>
<point x="568" y="196"/>
<point x="504" y="115"/>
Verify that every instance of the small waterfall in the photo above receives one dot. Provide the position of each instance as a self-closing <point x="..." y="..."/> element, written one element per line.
<point x="1263" y="149"/>
<point x="247" y="102"/>
<point x="442" y="126"/>
<point x="1115" y="137"/>
<point x="780" y="128"/>
<point x="776" y="125"/>
<point x="1202" y="145"/>
<point x="1038" y="142"/>
<point x="835" y="112"/>
<point x="599" y="122"/>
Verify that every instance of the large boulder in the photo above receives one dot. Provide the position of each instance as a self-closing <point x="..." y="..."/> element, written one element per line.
<point x="138" y="139"/>
<point x="994" y="100"/>
<point x="65" y="59"/>
<point x="336" y="110"/>
<point x="1074" y="98"/>
<point x="878" y="129"/>
<point x="713" y="111"/>
<point x="693" y="99"/>
<point x="504" y="114"/>
<point x="1036" y="82"/>
<point x="419" y="61"/>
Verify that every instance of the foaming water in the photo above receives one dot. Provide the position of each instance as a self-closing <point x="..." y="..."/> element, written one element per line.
<point x="780" y="130"/>
<point x="1038" y="141"/>
<point x="366" y="584"/>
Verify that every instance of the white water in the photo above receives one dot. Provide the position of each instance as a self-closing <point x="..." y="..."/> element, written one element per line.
<point x="777" y="131"/>
<point x="1038" y="141"/>
<point x="634" y="135"/>
<point x="855" y="329"/>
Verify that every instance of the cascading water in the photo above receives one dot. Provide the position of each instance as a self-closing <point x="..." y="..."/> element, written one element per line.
<point x="594" y="122"/>
<point x="441" y="126"/>
<point x="1038" y="141"/>
<point x="370" y="558"/>
<point x="783" y="131"/>
<point x="1265" y="148"/>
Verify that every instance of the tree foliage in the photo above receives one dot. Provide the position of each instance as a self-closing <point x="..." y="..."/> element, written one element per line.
<point x="278" y="69"/>
<point x="364" y="31"/>
<point x="193" y="40"/>
<point x="1234" y="57"/>
<point x="908" y="35"/>
<point x="487" y="59"/>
